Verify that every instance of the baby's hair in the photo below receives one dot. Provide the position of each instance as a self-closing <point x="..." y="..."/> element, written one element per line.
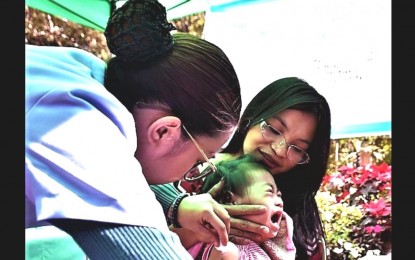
<point x="236" y="174"/>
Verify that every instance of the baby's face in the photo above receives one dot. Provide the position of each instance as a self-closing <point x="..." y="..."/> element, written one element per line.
<point x="264" y="191"/>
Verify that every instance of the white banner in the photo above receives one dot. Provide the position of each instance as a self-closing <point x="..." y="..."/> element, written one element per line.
<point x="341" y="47"/>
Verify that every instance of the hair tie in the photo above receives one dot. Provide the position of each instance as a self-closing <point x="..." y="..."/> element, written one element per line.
<point x="138" y="31"/>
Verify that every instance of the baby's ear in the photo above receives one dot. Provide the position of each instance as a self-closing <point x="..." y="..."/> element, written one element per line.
<point x="228" y="197"/>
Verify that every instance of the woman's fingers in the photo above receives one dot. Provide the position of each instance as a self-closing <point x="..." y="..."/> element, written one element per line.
<point x="206" y="233"/>
<point x="243" y="224"/>
<point x="242" y="230"/>
<point x="207" y="218"/>
<point x="241" y="210"/>
<point x="216" y="225"/>
<point x="248" y="226"/>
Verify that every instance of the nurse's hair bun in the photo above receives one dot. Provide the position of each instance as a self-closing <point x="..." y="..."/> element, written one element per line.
<point x="138" y="31"/>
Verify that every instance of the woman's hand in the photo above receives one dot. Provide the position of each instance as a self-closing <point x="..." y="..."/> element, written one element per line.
<point x="208" y="219"/>
<point x="243" y="231"/>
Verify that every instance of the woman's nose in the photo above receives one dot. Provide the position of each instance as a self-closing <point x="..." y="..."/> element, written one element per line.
<point x="280" y="148"/>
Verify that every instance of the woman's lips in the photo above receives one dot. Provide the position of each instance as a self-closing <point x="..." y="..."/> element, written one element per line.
<point x="268" y="160"/>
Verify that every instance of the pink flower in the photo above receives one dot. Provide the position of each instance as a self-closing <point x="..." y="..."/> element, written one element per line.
<point x="326" y="179"/>
<point x="361" y="178"/>
<point x="376" y="229"/>
<point x="383" y="172"/>
<point x="378" y="208"/>
<point x="369" y="229"/>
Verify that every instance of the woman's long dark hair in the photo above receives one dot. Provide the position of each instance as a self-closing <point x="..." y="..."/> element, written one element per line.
<point x="300" y="184"/>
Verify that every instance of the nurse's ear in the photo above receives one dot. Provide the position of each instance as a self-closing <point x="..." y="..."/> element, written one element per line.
<point x="164" y="133"/>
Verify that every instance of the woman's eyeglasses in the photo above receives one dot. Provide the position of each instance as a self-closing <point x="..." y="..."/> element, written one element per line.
<point x="198" y="170"/>
<point x="278" y="141"/>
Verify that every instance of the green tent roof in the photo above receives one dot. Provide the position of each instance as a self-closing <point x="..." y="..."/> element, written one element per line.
<point x="95" y="13"/>
<point x="90" y="13"/>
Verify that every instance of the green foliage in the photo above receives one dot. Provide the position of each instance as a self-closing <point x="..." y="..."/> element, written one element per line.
<point x="347" y="151"/>
<point x="48" y="30"/>
<point x="339" y="220"/>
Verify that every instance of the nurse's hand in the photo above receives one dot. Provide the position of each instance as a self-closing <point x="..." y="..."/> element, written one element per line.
<point x="243" y="231"/>
<point x="207" y="219"/>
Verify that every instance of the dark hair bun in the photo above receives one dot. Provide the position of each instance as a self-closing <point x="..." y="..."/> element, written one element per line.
<point x="139" y="30"/>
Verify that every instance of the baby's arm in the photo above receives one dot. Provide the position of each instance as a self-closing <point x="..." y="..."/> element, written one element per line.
<point x="188" y="239"/>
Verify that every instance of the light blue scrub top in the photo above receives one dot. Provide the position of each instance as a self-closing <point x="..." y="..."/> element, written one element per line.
<point x="80" y="144"/>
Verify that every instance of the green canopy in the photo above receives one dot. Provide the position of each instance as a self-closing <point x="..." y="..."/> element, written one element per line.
<point x="95" y="13"/>
<point x="90" y="13"/>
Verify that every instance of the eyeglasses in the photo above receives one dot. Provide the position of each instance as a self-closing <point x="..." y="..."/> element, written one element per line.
<point x="195" y="172"/>
<point x="278" y="141"/>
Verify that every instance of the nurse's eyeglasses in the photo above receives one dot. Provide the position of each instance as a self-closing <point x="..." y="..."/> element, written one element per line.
<point x="198" y="170"/>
